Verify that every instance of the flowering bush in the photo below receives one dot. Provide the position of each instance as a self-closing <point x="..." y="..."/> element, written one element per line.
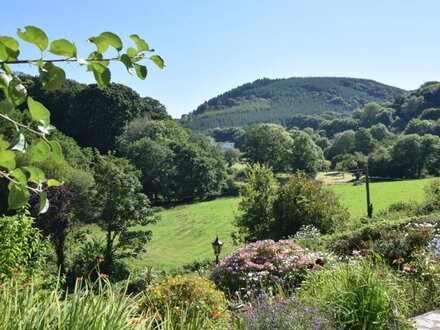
<point x="422" y="275"/>
<point x="189" y="296"/>
<point x="264" y="264"/>
<point x="268" y="313"/>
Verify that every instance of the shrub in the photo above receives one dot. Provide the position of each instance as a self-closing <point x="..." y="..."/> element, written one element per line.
<point x="406" y="207"/>
<point x="264" y="264"/>
<point x="269" y="313"/>
<point x="431" y="201"/>
<point x="303" y="201"/>
<point x="191" y="296"/>
<point x="22" y="247"/>
<point x="359" y="294"/>
<point x="395" y="242"/>
<point x="422" y="276"/>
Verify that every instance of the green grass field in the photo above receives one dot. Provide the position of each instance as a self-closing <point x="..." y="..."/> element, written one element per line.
<point x="184" y="233"/>
<point x="382" y="195"/>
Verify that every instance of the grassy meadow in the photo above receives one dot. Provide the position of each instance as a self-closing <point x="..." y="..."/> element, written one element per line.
<point x="382" y="195"/>
<point x="184" y="233"/>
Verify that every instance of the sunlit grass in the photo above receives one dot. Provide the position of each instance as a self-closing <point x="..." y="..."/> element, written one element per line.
<point x="382" y="195"/>
<point x="184" y="233"/>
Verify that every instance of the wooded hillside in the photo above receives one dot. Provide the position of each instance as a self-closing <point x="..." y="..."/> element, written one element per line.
<point x="280" y="100"/>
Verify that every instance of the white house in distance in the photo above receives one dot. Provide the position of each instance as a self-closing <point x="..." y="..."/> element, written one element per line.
<point x="225" y="145"/>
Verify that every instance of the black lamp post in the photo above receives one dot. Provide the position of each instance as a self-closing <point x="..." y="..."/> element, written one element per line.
<point x="217" y="246"/>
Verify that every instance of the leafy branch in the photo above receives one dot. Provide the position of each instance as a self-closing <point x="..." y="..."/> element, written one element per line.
<point x="31" y="178"/>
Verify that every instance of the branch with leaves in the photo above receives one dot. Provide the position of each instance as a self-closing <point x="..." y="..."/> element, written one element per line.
<point x="31" y="178"/>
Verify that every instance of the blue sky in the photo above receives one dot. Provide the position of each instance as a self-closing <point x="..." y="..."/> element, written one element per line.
<point x="212" y="46"/>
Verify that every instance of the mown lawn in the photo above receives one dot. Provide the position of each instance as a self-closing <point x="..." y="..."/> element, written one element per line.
<point x="382" y="195"/>
<point x="184" y="233"/>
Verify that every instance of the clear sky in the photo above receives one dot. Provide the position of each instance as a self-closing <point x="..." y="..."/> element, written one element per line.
<point x="210" y="47"/>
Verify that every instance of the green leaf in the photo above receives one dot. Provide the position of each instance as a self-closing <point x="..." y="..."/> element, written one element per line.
<point x="3" y="52"/>
<point x="18" y="143"/>
<point x="126" y="60"/>
<point x="63" y="47"/>
<point x="8" y="48"/>
<point x="38" y="111"/>
<point x="141" y="71"/>
<point x="3" y="144"/>
<point x="34" y="36"/>
<point x="113" y="40"/>
<point x="9" y="42"/>
<point x="18" y="196"/>
<point x="140" y="43"/>
<point x="57" y="151"/>
<point x="7" y="159"/>
<point x="132" y="52"/>
<point x="158" y="61"/>
<point x="44" y="203"/>
<point x="5" y="107"/>
<point x="94" y="56"/>
<point x="100" y="42"/>
<point x="16" y="92"/>
<point x="101" y="73"/>
<point x="51" y="76"/>
<point x="5" y="68"/>
<point x="39" y="150"/>
<point x="53" y="183"/>
<point x="19" y="175"/>
<point x="5" y="80"/>
<point x="36" y="175"/>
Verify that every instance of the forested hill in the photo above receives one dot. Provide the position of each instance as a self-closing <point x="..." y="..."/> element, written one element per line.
<point x="279" y="100"/>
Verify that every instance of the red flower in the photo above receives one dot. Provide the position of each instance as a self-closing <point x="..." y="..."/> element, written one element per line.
<point x="214" y="313"/>
<point x="320" y="262"/>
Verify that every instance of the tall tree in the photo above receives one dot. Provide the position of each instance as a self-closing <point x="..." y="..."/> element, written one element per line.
<point x="257" y="198"/>
<point x="121" y="206"/>
<point x="56" y="223"/>
<point x="268" y="144"/>
<point x="306" y="155"/>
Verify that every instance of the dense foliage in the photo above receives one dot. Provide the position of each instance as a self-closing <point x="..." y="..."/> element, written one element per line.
<point x="93" y="116"/>
<point x="176" y="163"/>
<point x="187" y="296"/>
<point x="22" y="248"/>
<point x="283" y="151"/>
<point x="272" y="211"/>
<point x="303" y="201"/>
<point x="256" y="203"/>
<point x="120" y="206"/>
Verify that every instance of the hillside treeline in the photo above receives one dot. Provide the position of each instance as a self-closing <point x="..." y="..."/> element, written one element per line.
<point x="280" y="101"/>
<point x="399" y="138"/>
